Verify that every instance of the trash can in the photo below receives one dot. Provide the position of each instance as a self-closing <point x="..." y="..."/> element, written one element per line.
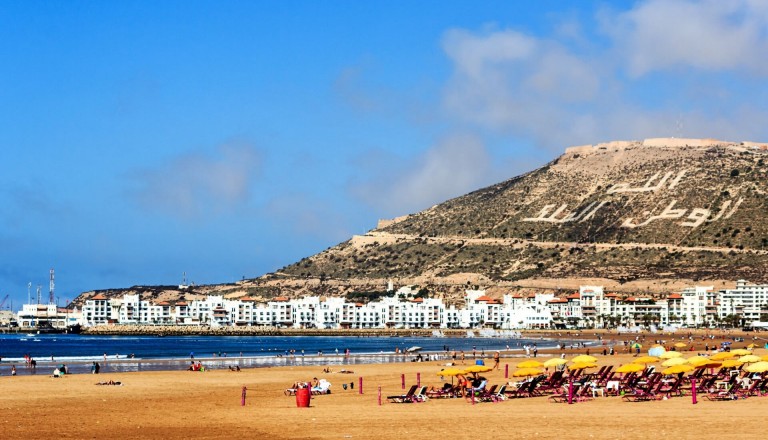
<point x="302" y="397"/>
<point x="479" y="362"/>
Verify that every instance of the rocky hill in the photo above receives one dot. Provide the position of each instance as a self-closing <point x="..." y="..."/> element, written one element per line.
<point x="652" y="215"/>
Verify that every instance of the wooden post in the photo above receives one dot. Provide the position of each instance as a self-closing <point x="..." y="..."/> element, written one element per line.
<point x="418" y="379"/>
<point x="360" y="386"/>
<point x="506" y="371"/>
<point x="402" y="380"/>
<point x="379" y="395"/>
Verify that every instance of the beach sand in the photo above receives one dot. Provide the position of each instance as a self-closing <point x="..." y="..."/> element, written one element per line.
<point x="182" y="404"/>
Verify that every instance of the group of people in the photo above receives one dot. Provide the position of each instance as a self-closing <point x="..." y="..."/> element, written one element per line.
<point x="60" y="371"/>
<point x="196" y="366"/>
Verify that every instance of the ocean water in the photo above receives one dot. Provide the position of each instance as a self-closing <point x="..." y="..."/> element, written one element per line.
<point x="148" y="353"/>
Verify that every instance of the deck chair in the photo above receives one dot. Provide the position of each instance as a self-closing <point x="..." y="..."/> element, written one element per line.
<point x="404" y="398"/>
<point x="447" y="391"/>
<point x="420" y="395"/>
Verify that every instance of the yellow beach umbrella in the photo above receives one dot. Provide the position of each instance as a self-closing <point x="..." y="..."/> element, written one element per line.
<point x="530" y="364"/>
<point x="680" y="344"/>
<point x="677" y="369"/>
<point x="582" y="365"/>
<point x="670" y="355"/>
<point x="757" y="367"/>
<point x="723" y="355"/>
<point x="673" y="362"/>
<point x="740" y="352"/>
<point x="709" y="364"/>
<point x="730" y="363"/>
<point x="630" y="368"/>
<point x="764" y="357"/>
<point x="645" y="360"/>
<point x="554" y="362"/>
<point x="750" y="358"/>
<point x="526" y="372"/>
<point x="584" y="358"/>
<point x="698" y="360"/>
<point x="751" y="346"/>
<point x="478" y="369"/>
<point x="450" y="372"/>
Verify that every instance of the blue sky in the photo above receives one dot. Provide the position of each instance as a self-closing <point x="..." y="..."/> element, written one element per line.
<point x="140" y="140"/>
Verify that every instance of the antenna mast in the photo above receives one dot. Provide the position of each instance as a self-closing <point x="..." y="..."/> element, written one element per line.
<point x="50" y="289"/>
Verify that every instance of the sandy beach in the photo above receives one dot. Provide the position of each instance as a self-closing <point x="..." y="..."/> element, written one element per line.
<point x="182" y="404"/>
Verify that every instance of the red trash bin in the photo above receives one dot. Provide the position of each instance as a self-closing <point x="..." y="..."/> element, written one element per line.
<point x="302" y="397"/>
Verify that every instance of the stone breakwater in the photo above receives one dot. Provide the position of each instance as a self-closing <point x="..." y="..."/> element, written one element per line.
<point x="177" y="330"/>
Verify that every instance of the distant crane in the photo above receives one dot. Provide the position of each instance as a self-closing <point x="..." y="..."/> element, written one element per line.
<point x="2" y="303"/>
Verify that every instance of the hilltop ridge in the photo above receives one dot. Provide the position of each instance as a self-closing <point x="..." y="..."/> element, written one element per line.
<point x="652" y="216"/>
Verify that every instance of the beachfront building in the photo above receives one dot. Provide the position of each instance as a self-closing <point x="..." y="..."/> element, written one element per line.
<point x="692" y="307"/>
<point x="97" y="310"/>
<point x="44" y="316"/>
<point x="407" y="308"/>
<point x="748" y="302"/>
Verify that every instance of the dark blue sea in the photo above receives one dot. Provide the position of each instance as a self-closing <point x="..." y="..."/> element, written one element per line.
<point x="152" y="353"/>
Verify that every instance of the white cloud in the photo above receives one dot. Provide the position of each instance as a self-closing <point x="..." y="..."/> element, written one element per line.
<point x="516" y="83"/>
<point x="710" y="35"/>
<point x="198" y="184"/>
<point x="558" y="90"/>
<point x="450" y="168"/>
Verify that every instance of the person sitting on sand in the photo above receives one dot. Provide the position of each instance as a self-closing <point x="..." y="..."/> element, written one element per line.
<point x="56" y="372"/>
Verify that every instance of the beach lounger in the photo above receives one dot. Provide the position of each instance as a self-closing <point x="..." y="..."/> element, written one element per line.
<point x="404" y="398"/>
<point x="447" y="391"/>
<point x="562" y="396"/>
<point x="730" y="393"/>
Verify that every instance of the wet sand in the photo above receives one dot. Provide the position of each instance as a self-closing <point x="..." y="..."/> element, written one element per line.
<point x="182" y="404"/>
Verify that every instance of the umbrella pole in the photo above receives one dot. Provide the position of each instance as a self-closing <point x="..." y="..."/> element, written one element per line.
<point x="402" y="380"/>
<point x="418" y="379"/>
<point x="570" y="391"/>
<point x="506" y="371"/>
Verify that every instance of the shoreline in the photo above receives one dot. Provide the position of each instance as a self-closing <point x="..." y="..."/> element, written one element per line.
<point x="219" y="404"/>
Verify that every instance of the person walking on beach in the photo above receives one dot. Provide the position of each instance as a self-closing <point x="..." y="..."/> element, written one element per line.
<point x="496" y="360"/>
